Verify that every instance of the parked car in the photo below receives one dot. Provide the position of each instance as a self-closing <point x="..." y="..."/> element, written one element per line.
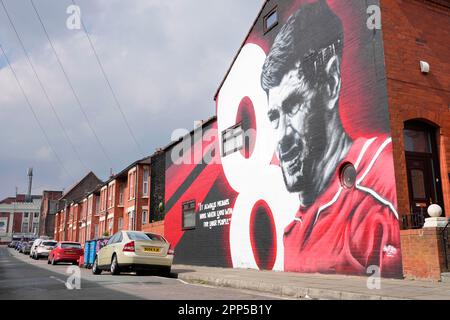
<point x="66" y="251"/>
<point x="12" y="244"/>
<point x="19" y="245"/>
<point x="26" y="247"/>
<point x="134" y="251"/>
<point x="41" y="248"/>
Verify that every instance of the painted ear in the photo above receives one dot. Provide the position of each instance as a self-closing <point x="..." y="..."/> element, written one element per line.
<point x="333" y="81"/>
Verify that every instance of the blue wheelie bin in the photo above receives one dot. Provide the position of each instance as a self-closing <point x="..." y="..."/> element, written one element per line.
<point x="87" y="247"/>
<point x="92" y="251"/>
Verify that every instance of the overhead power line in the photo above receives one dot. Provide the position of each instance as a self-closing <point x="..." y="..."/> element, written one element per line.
<point x="34" y="113"/>
<point x="52" y="106"/>
<point x="72" y="88"/>
<point x="116" y="100"/>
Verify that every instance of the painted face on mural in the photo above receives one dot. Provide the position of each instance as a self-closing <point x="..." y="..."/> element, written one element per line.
<point x="302" y="78"/>
<point x="290" y="112"/>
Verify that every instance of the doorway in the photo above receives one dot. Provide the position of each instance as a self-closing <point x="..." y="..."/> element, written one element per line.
<point x="423" y="170"/>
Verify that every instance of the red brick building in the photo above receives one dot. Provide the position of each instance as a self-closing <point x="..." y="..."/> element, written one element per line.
<point x="419" y="108"/>
<point x="68" y="218"/>
<point x="19" y="216"/>
<point x="49" y="207"/>
<point x="121" y="203"/>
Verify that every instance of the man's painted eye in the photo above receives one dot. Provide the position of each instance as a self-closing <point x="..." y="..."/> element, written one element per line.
<point x="295" y="109"/>
<point x="274" y="117"/>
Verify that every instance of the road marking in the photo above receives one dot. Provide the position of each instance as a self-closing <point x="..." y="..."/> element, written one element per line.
<point x="246" y="291"/>
<point x="59" y="280"/>
<point x="183" y="282"/>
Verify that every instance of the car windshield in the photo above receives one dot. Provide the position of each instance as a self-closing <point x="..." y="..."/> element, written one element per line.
<point x="49" y="243"/>
<point x="144" y="236"/>
<point x="70" y="245"/>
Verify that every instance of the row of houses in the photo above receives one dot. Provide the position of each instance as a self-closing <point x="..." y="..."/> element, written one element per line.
<point x="93" y="208"/>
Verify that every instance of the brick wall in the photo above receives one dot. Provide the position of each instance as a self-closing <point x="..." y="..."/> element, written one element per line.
<point x="156" y="227"/>
<point x="17" y="226"/>
<point x="47" y="216"/>
<point x="417" y="30"/>
<point x="422" y="253"/>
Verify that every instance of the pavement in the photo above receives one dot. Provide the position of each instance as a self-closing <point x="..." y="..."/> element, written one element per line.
<point x="314" y="286"/>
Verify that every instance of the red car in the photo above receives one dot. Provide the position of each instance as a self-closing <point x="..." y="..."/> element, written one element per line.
<point x="66" y="251"/>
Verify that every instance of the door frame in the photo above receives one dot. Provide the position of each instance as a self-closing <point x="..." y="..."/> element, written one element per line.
<point x="433" y="157"/>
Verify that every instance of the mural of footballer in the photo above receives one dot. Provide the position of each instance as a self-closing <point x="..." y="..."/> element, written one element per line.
<point x="347" y="219"/>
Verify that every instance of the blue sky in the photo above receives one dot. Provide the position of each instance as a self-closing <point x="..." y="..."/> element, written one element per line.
<point x="165" y="60"/>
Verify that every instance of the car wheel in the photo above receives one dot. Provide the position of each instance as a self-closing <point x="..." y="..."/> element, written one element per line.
<point x="95" y="269"/>
<point x="167" y="271"/>
<point x="74" y="263"/>
<point x="114" y="266"/>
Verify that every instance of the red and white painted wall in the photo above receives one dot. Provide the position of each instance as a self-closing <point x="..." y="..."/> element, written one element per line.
<point x="296" y="173"/>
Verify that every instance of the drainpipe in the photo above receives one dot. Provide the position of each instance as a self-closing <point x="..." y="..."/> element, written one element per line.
<point x="136" y="193"/>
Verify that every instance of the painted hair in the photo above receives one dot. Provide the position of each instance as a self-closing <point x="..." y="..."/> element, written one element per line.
<point x="310" y="37"/>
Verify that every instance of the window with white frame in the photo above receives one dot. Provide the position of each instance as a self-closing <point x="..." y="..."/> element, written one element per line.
<point x="131" y="185"/>
<point x="25" y="227"/>
<point x="110" y="225"/>
<point x="89" y="207"/>
<point x="232" y="140"/>
<point x="96" y="231"/>
<point x="121" y="190"/>
<point x="110" y="196"/>
<point x="35" y="227"/>
<point x="145" y="182"/>
<point x="131" y="220"/>
<point x="97" y="204"/>
<point x="120" y="223"/>
<point x="144" y="216"/>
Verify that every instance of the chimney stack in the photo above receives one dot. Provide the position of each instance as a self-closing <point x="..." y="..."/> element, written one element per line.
<point x="30" y="183"/>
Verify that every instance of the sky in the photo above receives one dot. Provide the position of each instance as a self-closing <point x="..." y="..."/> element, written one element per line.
<point x="164" y="60"/>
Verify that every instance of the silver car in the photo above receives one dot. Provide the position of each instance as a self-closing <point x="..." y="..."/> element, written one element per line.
<point x="41" y="248"/>
<point x="134" y="251"/>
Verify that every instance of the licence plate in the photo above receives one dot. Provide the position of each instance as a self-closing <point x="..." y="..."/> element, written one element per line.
<point x="156" y="250"/>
